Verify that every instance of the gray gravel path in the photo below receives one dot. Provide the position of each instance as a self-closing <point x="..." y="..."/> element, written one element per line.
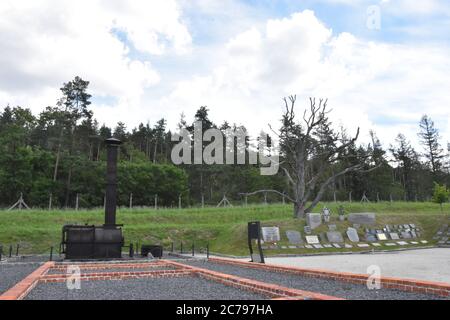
<point x="324" y="286"/>
<point x="10" y="274"/>
<point x="183" y="288"/>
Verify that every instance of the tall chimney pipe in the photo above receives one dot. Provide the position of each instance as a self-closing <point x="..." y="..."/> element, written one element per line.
<point x="112" y="146"/>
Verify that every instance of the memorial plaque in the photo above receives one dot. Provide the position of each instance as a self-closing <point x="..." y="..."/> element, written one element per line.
<point x="376" y="244"/>
<point x="394" y="236"/>
<point x="367" y="218"/>
<point x="381" y="237"/>
<point x="424" y="241"/>
<point x="312" y="239"/>
<point x="318" y="246"/>
<point x="390" y="244"/>
<point x="307" y="229"/>
<point x="348" y="246"/>
<point x="307" y="246"/>
<point x="371" y="237"/>
<point x="406" y="226"/>
<point x="335" y="236"/>
<point x="402" y="243"/>
<point x="352" y="235"/>
<point x="406" y="235"/>
<point x="332" y="227"/>
<point x="412" y="225"/>
<point x="327" y="246"/>
<point x="414" y="242"/>
<point x="313" y="220"/>
<point x="271" y="234"/>
<point x="363" y="245"/>
<point x="336" y="245"/>
<point x="294" y="237"/>
<point x="292" y="247"/>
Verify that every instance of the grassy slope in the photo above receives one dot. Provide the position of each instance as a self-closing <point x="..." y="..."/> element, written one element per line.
<point x="224" y="228"/>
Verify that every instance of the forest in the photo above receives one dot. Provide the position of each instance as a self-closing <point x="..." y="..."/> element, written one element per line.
<point x="58" y="155"/>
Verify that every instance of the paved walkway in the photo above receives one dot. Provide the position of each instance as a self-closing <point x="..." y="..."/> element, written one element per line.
<point x="425" y="264"/>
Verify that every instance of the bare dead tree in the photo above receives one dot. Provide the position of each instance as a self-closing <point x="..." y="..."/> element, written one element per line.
<point x="313" y="154"/>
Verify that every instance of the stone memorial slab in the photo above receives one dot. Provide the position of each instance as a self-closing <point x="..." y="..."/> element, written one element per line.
<point x="376" y="244"/>
<point x="294" y="237"/>
<point x="390" y="244"/>
<point x="348" y="246"/>
<point x="307" y="246"/>
<point x="414" y="242"/>
<point x="366" y="218"/>
<point x="371" y="237"/>
<point x="336" y="245"/>
<point x="402" y="243"/>
<point x="322" y="237"/>
<point x="313" y="220"/>
<point x="271" y="234"/>
<point x="318" y="246"/>
<point x="394" y="236"/>
<point x="292" y="247"/>
<point x="413" y="234"/>
<point x="284" y="247"/>
<point x="332" y="227"/>
<point x="412" y="225"/>
<point x="312" y="239"/>
<point x="352" y="235"/>
<point x="406" y="226"/>
<point x="388" y="228"/>
<point x="424" y="241"/>
<point x="382" y="237"/>
<point x="406" y="235"/>
<point x="307" y="229"/>
<point x="335" y="237"/>
<point x="379" y="231"/>
<point x="327" y="246"/>
<point x="363" y="245"/>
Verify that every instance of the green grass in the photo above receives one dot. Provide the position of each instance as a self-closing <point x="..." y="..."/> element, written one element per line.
<point x="224" y="228"/>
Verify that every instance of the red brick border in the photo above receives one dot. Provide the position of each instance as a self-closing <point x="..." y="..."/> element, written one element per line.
<point x="117" y="275"/>
<point x="21" y="289"/>
<point x="271" y="290"/>
<point x="410" y="285"/>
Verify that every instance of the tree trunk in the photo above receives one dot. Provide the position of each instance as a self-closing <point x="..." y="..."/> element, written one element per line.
<point x="299" y="211"/>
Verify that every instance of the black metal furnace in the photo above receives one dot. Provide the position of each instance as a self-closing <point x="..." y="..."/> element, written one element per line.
<point x="98" y="242"/>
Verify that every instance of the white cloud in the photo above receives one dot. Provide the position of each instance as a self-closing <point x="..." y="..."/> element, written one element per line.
<point x="377" y="86"/>
<point x="47" y="42"/>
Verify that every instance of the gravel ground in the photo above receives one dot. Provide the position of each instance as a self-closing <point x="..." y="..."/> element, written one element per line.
<point x="11" y="273"/>
<point x="329" y="287"/>
<point x="183" y="288"/>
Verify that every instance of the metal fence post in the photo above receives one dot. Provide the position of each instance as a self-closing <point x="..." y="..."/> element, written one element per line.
<point x="193" y="249"/>
<point x="17" y="250"/>
<point x="51" y="253"/>
<point x="181" y="249"/>
<point x="207" y="250"/>
<point x="10" y="250"/>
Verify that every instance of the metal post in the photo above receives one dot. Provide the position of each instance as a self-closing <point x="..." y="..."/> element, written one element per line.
<point x="203" y="201"/>
<point x="156" y="202"/>
<point x="76" y="202"/>
<point x="10" y="250"/>
<point x="17" y="250"/>
<point x="207" y="250"/>
<point x="179" y="202"/>
<point x="350" y="197"/>
<point x="172" y="248"/>
<point x="246" y="200"/>
<point x="1" y="252"/>
<point x="334" y="196"/>
<point x="284" y="201"/>
<point x="193" y="249"/>
<point x="181" y="249"/>
<point x="131" y="251"/>
<point x="111" y="181"/>
<point x="50" y="202"/>
<point x="51" y="253"/>
<point x="131" y="200"/>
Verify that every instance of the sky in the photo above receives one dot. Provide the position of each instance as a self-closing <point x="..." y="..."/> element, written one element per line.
<point x="381" y="64"/>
